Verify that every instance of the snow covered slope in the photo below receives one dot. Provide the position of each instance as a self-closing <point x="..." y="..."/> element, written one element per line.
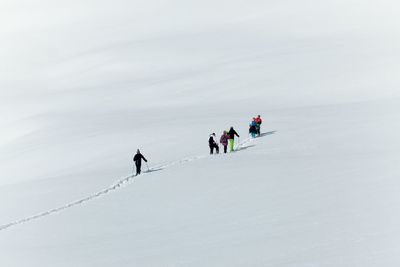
<point x="84" y="84"/>
<point x="320" y="188"/>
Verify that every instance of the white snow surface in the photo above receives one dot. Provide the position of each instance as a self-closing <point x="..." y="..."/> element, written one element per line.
<point x="83" y="84"/>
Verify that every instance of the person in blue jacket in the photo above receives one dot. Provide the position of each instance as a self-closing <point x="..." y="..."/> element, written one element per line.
<point x="253" y="128"/>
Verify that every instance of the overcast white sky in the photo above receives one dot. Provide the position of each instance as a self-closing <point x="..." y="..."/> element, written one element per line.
<point x="46" y="45"/>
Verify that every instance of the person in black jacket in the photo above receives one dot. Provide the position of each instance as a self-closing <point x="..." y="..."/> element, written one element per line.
<point x="232" y="134"/>
<point x="138" y="161"/>
<point x="212" y="142"/>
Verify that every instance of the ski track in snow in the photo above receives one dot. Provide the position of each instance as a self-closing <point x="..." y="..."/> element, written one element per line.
<point x="241" y="145"/>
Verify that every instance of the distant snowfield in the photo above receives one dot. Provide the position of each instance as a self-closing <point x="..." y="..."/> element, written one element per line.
<point x="83" y="85"/>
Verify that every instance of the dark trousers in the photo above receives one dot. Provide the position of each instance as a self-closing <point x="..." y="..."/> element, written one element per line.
<point x="138" y="167"/>
<point x="258" y="129"/>
<point x="225" y="148"/>
<point x="212" y="146"/>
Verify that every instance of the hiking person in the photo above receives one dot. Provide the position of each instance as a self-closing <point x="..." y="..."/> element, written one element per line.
<point x="212" y="142"/>
<point x="232" y="134"/>
<point x="253" y="128"/>
<point x="224" y="140"/>
<point x="258" y="126"/>
<point x="138" y="161"/>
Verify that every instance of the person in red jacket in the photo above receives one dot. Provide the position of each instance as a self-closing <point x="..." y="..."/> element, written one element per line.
<point x="258" y="127"/>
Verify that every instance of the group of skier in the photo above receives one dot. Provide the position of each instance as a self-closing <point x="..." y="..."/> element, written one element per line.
<point x="227" y="138"/>
<point x="255" y="127"/>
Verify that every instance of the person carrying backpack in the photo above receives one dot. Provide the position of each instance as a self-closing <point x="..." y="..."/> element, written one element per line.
<point x="138" y="161"/>
<point x="253" y="128"/>
<point x="232" y="134"/>
<point x="258" y="126"/>
<point x="212" y="142"/>
<point x="224" y="140"/>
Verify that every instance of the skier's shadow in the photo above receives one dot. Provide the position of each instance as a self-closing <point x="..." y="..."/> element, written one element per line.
<point x="245" y="147"/>
<point x="154" y="170"/>
<point x="267" y="133"/>
<point x="250" y="146"/>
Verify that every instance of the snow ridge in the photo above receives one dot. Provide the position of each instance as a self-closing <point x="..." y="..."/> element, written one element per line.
<point x="115" y="186"/>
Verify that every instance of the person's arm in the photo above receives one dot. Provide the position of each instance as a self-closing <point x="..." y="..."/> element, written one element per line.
<point x="237" y="134"/>
<point x="144" y="158"/>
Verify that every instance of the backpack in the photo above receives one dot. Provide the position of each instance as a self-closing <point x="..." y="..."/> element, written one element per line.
<point x="224" y="139"/>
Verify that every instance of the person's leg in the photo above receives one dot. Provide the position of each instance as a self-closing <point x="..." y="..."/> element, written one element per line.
<point x="211" y="149"/>
<point x="138" y="167"/>
<point x="225" y="148"/>
<point x="231" y="144"/>
<point x="217" y="148"/>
